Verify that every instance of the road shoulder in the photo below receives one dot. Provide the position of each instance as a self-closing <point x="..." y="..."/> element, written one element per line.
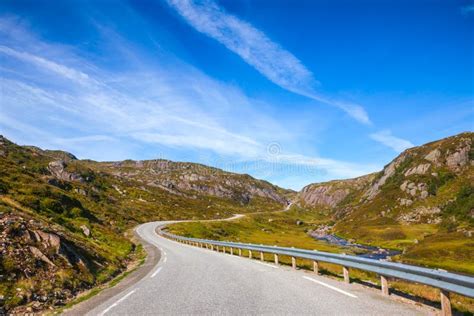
<point x="152" y="259"/>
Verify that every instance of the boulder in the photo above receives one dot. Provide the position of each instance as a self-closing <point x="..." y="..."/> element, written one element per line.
<point x="406" y="202"/>
<point x="38" y="254"/>
<point x="86" y="231"/>
<point x="57" y="170"/>
<point x="420" y="169"/>
<point x="424" y="194"/>
<point x="48" y="240"/>
<point x="459" y="158"/>
<point x="433" y="156"/>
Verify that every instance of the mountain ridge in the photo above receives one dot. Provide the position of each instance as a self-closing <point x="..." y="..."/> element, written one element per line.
<point x="65" y="223"/>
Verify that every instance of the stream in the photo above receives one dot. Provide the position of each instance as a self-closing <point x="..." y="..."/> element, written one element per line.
<point x="370" y="252"/>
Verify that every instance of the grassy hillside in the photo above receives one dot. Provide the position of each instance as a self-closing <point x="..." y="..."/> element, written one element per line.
<point x="424" y="207"/>
<point x="64" y="222"/>
<point x="421" y="204"/>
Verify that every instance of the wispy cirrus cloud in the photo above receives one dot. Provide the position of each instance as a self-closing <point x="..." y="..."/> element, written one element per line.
<point x="468" y="9"/>
<point x="69" y="73"/>
<point x="54" y="100"/>
<point x="258" y="50"/>
<point x="386" y="138"/>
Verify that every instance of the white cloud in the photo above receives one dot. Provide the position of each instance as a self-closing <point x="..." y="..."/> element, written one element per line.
<point x="386" y="138"/>
<point x="66" y="72"/>
<point x="107" y="115"/>
<point x="255" y="48"/>
<point x="468" y="9"/>
<point x="252" y="45"/>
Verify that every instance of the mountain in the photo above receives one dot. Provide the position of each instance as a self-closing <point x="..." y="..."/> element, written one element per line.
<point x="65" y="223"/>
<point x="421" y="203"/>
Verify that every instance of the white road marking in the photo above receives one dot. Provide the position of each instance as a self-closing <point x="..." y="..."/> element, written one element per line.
<point x="267" y="264"/>
<point x="330" y="286"/>
<point x="156" y="272"/>
<point x="164" y="261"/>
<point x="116" y="303"/>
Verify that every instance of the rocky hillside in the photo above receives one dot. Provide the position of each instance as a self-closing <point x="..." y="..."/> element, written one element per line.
<point x="334" y="196"/>
<point x="422" y="203"/>
<point x="64" y="222"/>
<point x="190" y="180"/>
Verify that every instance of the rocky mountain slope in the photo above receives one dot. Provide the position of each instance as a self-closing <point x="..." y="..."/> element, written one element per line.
<point x="64" y="222"/>
<point x="422" y="203"/>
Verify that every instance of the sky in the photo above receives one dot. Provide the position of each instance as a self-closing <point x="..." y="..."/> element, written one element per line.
<point x="293" y="92"/>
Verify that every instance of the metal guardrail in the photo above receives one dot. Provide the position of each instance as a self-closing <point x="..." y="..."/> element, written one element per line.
<point x="447" y="282"/>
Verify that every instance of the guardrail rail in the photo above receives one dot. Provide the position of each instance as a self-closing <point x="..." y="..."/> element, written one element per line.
<point x="447" y="282"/>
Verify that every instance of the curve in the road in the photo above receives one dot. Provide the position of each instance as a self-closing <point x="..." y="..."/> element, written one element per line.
<point x="191" y="280"/>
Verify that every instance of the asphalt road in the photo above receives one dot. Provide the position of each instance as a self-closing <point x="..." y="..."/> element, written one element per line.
<point x="193" y="281"/>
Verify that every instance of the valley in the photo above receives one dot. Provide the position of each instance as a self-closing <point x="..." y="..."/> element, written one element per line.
<point x="66" y="223"/>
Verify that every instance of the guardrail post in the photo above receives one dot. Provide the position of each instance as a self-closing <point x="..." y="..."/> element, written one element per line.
<point x="240" y="252"/>
<point x="261" y="256"/>
<point x="231" y="251"/>
<point x="345" y="271"/>
<point x="223" y="249"/>
<point x="384" y="282"/>
<point x="250" y="254"/>
<point x="316" y="267"/>
<point x="212" y="247"/>
<point x="276" y="259"/>
<point x="293" y="262"/>
<point x="445" y="304"/>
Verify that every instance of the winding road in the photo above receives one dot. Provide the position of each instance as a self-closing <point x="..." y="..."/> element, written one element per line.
<point x="194" y="281"/>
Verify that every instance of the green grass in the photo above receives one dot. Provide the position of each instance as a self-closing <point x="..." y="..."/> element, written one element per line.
<point x="138" y="260"/>
<point x="268" y="228"/>
<point x="28" y="189"/>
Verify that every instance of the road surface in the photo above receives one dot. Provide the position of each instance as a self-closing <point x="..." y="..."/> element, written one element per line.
<point x="194" y="281"/>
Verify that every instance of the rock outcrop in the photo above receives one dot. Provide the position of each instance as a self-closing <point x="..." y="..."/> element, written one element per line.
<point x="30" y="252"/>
<point x="460" y="157"/>
<point x="188" y="179"/>
<point x="331" y="194"/>
<point x="410" y="185"/>
<point x="58" y="170"/>
<point x="387" y="172"/>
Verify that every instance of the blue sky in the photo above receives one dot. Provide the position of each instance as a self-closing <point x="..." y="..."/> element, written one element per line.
<point x="293" y="92"/>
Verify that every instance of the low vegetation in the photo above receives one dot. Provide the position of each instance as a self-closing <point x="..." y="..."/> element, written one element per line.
<point x="421" y="204"/>
<point x="64" y="221"/>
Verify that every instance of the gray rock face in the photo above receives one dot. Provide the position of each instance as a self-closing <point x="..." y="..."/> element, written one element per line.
<point x="185" y="179"/>
<point x="86" y="231"/>
<point x="38" y="254"/>
<point x="57" y="170"/>
<point x="434" y="156"/>
<point x="460" y="157"/>
<point x="48" y="240"/>
<point x="388" y="171"/>
<point x="330" y="194"/>
<point x="430" y="215"/>
<point x="323" y="195"/>
<point x="416" y="190"/>
<point x="420" y="169"/>
<point x="406" y="202"/>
